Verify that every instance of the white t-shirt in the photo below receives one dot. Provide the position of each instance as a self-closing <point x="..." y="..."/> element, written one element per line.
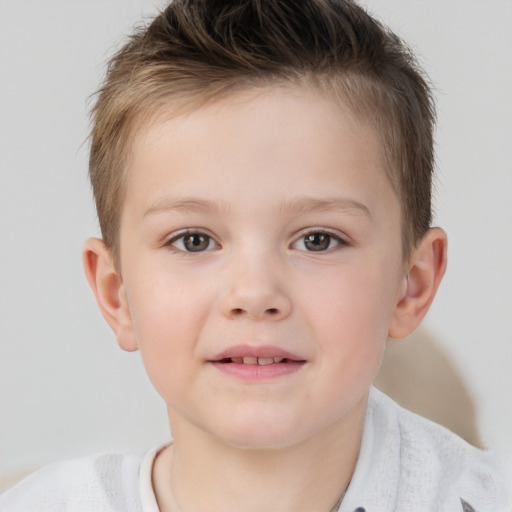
<point x="97" y="483"/>
<point x="406" y="464"/>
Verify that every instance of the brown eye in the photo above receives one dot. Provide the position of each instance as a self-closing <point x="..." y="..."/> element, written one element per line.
<point x="317" y="241"/>
<point x="196" y="242"/>
<point x="193" y="242"/>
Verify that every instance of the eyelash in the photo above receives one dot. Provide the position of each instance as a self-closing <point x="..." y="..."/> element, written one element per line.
<point x="311" y="233"/>
<point x="182" y="236"/>
<point x="340" y="242"/>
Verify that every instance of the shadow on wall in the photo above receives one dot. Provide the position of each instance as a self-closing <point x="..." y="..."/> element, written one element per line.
<point x="419" y="375"/>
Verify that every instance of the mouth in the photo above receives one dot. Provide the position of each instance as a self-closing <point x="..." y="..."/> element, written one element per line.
<point x="261" y="361"/>
<point x="257" y="363"/>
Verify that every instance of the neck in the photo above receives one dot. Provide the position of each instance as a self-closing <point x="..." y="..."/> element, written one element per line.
<point x="198" y="473"/>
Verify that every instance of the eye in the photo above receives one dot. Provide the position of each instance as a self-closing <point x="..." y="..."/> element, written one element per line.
<point x="318" y="241"/>
<point x="193" y="242"/>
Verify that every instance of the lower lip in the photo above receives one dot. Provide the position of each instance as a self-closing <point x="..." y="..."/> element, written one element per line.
<point x="256" y="372"/>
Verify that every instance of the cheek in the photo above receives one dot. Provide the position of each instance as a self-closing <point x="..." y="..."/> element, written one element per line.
<point x="163" y="306"/>
<point x="359" y="299"/>
<point x="350" y="322"/>
<point x="167" y="316"/>
<point x="351" y="315"/>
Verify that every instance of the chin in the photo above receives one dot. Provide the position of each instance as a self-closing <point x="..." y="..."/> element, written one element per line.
<point x="260" y="442"/>
<point x="260" y="435"/>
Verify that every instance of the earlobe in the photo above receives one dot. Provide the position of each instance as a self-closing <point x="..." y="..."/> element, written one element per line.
<point x="109" y="291"/>
<point x="426" y="269"/>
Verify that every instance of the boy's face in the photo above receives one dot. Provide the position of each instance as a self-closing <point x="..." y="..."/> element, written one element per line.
<point x="261" y="226"/>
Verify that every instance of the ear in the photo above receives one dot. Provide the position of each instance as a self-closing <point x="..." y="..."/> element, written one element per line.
<point x="425" y="271"/>
<point x="108" y="288"/>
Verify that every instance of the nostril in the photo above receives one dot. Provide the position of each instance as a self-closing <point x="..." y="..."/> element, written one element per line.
<point x="237" y="311"/>
<point x="272" y="311"/>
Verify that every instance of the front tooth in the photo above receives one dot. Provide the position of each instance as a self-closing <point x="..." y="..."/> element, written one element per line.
<point x="278" y="359"/>
<point x="262" y="361"/>
<point x="237" y="360"/>
<point x="250" y="360"/>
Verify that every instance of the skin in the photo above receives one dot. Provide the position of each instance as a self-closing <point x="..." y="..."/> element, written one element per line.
<point x="255" y="175"/>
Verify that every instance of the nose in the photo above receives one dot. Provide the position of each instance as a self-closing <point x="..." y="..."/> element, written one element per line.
<point x="255" y="290"/>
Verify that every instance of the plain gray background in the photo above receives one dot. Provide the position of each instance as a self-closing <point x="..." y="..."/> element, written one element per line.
<point x="66" y="389"/>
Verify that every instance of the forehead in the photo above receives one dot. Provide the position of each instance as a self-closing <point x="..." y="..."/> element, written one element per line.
<point x="266" y="143"/>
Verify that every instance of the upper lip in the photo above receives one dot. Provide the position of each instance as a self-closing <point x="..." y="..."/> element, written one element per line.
<point x="255" y="351"/>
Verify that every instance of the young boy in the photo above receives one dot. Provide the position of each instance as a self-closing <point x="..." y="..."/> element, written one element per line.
<point x="262" y="174"/>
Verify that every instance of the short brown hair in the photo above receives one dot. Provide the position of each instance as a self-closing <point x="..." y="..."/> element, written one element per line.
<point x="196" y="50"/>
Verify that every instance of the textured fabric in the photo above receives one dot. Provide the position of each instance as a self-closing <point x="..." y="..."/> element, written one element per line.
<point x="100" y="483"/>
<point x="406" y="464"/>
<point x="409" y="464"/>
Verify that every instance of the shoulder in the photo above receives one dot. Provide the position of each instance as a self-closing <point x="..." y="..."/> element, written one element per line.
<point x="423" y="441"/>
<point x="429" y="467"/>
<point x="100" y="483"/>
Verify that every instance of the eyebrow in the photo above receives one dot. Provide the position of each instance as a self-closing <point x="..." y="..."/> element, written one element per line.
<point x="294" y="206"/>
<point x="308" y="204"/>
<point x="186" y="205"/>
